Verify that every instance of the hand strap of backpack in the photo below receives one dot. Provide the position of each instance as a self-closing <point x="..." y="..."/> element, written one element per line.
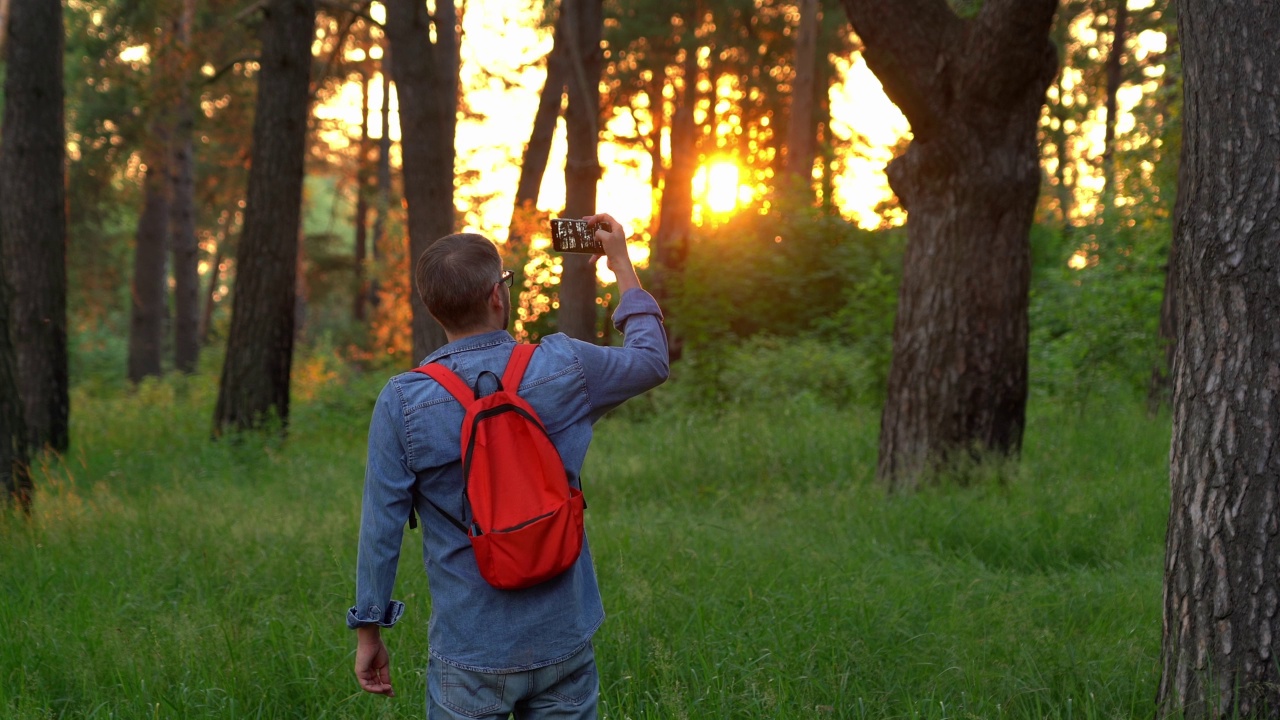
<point x="516" y="366"/>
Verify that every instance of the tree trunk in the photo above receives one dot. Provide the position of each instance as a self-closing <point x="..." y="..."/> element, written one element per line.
<point x="182" y="221"/>
<point x="972" y="90"/>
<point x="301" y="293"/>
<point x="33" y="222"/>
<point x="584" y="28"/>
<point x="15" y="476"/>
<point x="255" y="374"/>
<point x="534" y="164"/>
<point x="1120" y="21"/>
<point x="658" y="111"/>
<point x="1065" y="188"/>
<point x="206" y="317"/>
<point x="426" y="76"/>
<point x="362" y="204"/>
<point x="1221" y="641"/>
<point x="384" y="185"/>
<point x="675" y="213"/>
<point x="800" y="131"/>
<point x="1158" y="387"/>
<point x="149" y="292"/>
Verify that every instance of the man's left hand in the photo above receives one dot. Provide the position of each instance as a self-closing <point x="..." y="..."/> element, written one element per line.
<point x="373" y="663"/>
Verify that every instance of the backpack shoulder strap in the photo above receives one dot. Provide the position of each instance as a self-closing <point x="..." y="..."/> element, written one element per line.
<point x="450" y="380"/>
<point x="516" y="366"/>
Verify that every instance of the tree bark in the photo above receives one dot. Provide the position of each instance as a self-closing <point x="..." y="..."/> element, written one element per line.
<point x="1221" y="640"/>
<point x="533" y="166"/>
<point x="255" y="374"/>
<point x="33" y="222"/>
<point x="972" y="91"/>
<point x="1114" y="58"/>
<point x="585" y="27"/>
<point x="15" y="476"/>
<point x="426" y="77"/>
<point x="801" y="146"/>
<point x="149" y="293"/>
<point x="182" y="220"/>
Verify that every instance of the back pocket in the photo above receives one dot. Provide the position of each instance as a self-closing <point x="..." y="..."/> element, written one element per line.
<point x="473" y="694"/>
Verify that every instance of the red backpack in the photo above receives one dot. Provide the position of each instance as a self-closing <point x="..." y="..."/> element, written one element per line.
<point x="525" y="519"/>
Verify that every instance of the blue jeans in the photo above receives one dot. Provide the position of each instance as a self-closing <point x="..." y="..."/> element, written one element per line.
<point x="568" y="690"/>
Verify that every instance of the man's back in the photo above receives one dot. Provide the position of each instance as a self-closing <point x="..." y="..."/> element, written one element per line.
<point x="414" y="460"/>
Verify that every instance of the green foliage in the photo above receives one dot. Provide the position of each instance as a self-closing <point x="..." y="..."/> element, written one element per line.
<point x="794" y="301"/>
<point x="1094" y="330"/>
<point x="750" y="568"/>
<point x="786" y="273"/>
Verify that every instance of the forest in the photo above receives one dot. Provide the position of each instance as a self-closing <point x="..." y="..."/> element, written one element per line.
<point x="970" y="306"/>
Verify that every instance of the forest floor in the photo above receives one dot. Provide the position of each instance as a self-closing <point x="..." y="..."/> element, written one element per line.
<point x="750" y="567"/>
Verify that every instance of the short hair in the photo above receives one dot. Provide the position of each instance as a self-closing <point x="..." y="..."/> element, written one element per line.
<point x="455" y="275"/>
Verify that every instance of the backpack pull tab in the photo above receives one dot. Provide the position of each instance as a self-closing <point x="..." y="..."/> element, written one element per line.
<point x="480" y="377"/>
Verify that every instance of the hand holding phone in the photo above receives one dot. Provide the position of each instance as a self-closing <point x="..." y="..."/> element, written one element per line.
<point x="577" y="236"/>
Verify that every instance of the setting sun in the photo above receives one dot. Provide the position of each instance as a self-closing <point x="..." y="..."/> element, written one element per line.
<point x="718" y="186"/>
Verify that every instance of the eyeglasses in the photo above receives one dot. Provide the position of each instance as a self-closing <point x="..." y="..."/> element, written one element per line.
<point x="508" y="278"/>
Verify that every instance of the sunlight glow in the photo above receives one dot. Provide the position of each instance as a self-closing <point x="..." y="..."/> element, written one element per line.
<point x="502" y="72"/>
<point x="864" y="118"/>
<point x="719" y="186"/>
<point x="135" y="54"/>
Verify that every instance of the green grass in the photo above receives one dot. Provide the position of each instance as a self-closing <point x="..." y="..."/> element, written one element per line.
<point x="750" y="566"/>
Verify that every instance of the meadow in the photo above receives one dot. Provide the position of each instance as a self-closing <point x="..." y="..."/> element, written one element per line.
<point x="750" y="565"/>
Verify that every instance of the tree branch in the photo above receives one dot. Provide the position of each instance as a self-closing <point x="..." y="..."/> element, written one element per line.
<point x="229" y="66"/>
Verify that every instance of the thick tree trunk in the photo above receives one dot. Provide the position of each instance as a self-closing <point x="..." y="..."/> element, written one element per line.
<point x="182" y="221"/>
<point x="33" y="221"/>
<point x="1222" y="558"/>
<point x="536" y="154"/>
<point x="149" y="293"/>
<point x="972" y="90"/>
<point x="585" y="26"/>
<point x="426" y="76"/>
<point x="1119" y="25"/>
<point x="360" y="300"/>
<point x="255" y="374"/>
<point x="801" y="146"/>
<point x="675" y="214"/>
<point x="15" y="476"/>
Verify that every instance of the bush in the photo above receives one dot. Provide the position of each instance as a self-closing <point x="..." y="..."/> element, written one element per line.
<point x="1094" y="330"/>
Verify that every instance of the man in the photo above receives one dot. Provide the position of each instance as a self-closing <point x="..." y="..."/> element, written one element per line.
<point x="492" y="652"/>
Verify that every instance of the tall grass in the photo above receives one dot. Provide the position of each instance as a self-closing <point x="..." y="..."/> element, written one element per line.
<point x="751" y="568"/>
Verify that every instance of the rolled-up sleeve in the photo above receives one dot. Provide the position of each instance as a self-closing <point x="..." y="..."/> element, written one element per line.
<point x="615" y="374"/>
<point x="388" y="499"/>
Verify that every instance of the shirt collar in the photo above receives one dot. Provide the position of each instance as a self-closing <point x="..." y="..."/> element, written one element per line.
<point x="472" y="342"/>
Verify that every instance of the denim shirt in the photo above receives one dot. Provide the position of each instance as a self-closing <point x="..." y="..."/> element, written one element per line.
<point x="415" y="457"/>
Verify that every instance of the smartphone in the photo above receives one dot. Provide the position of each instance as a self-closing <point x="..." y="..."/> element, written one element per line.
<point x="577" y="236"/>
